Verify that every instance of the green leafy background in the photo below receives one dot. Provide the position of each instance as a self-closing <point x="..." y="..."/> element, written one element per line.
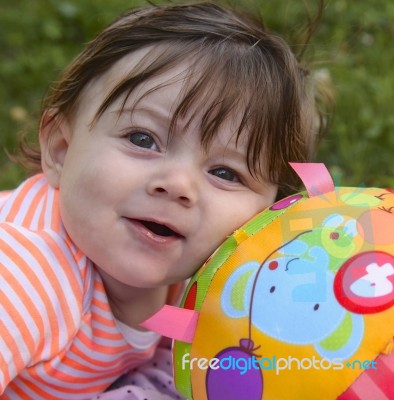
<point x="353" y="49"/>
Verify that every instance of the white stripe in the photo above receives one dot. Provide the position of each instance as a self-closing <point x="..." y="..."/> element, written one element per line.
<point x="88" y="271"/>
<point x="49" y="207"/>
<point x="36" y="218"/>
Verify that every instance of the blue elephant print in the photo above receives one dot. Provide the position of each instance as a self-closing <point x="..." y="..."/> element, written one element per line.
<point x="290" y="297"/>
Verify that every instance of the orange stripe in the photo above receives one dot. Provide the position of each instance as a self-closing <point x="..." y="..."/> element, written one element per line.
<point x="55" y="212"/>
<point x="41" y="219"/>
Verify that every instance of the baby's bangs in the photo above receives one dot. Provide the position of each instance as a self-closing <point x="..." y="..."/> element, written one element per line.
<point x="231" y="86"/>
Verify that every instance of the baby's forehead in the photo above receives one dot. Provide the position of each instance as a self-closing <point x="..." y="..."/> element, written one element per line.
<point x="121" y="70"/>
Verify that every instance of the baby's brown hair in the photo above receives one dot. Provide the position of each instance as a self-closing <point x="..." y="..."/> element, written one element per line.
<point x="252" y="71"/>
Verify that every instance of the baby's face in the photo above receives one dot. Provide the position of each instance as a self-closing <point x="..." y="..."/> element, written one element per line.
<point x="145" y="209"/>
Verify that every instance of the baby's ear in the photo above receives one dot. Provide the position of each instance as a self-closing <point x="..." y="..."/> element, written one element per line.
<point x="54" y="137"/>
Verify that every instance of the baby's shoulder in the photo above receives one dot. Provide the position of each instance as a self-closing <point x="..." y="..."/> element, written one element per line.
<point x="43" y="260"/>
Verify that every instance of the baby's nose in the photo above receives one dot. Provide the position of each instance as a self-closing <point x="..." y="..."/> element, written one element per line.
<point x="176" y="184"/>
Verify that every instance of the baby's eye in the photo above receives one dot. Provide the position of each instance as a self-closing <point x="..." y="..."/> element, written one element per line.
<point x="142" y="139"/>
<point x="225" y="173"/>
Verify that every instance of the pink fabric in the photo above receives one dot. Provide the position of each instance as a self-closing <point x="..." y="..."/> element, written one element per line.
<point x="374" y="384"/>
<point x="173" y="322"/>
<point x="315" y="177"/>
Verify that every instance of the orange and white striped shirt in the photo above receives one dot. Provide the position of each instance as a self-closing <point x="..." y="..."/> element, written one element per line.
<point x="58" y="337"/>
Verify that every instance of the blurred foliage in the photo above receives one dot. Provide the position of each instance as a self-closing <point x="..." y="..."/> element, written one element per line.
<point x="352" y="49"/>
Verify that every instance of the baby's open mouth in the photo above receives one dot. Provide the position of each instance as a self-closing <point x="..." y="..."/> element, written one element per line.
<point x="159" y="229"/>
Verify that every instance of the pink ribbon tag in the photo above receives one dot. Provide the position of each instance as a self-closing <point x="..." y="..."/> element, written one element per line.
<point x="173" y="322"/>
<point x="315" y="177"/>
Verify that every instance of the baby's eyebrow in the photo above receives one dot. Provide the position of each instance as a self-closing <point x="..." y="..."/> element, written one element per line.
<point x="224" y="152"/>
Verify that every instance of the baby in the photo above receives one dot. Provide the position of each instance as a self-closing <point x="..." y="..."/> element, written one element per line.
<point x="172" y="128"/>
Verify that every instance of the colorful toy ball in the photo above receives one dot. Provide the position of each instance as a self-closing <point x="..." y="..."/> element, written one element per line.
<point x="296" y="304"/>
